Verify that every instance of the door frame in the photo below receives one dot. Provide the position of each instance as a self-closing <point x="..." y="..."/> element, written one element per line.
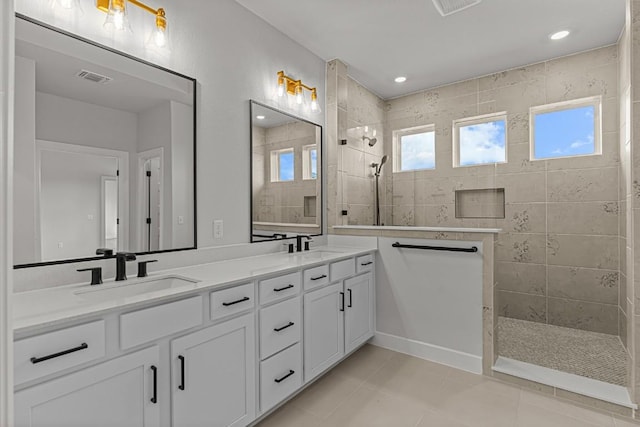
<point x="143" y="157"/>
<point x="123" y="185"/>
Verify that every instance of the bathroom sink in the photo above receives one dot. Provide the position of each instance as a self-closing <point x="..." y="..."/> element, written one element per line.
<point x="315" y="254"/>
<point x="134" y="287"/>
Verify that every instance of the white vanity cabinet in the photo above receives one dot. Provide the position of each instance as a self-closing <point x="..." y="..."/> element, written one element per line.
<point x="120" y="392"/>
<point x="337" y="318"/>
<point x="221" y="357"/>
<point x="213" y="375"/>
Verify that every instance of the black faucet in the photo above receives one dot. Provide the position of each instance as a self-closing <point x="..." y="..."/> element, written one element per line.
<point x="121" y="264"/>
<point x="299" y="238"/>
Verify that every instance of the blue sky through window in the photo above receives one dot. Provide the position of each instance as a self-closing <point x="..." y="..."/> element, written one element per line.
<point x="314" y="163"/>
<point x="483" y="143"/>
<point x="417" y="151"/>
<point x="565" y="133"/>
<point x="286" y="166"/>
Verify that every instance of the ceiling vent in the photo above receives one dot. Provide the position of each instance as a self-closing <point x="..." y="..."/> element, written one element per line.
<point x="449" y="7"/>
<point x="93" y="77"/>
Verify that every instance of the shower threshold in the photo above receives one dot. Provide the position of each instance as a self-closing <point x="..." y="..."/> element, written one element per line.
<point x="595" y="389"/>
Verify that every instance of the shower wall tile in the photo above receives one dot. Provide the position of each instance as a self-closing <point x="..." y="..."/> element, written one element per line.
<point x="522" y="306"/>
<point x="583" y="284"/>
<point x="583" y="185"/>
<point x="525" y="218"/>
<point x="521" y="277"/>
<point x="516" y="98"/>
<point x="511" y="77"/>
<point x="521" y="247"/>
<point x="600" y="218"/>
<point x="588" y="316"/>
<point x="523" y="187"/>
<point x="583" y="251"/>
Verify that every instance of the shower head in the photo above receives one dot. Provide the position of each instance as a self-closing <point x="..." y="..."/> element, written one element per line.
<point x="372" y="141"/>
<point x="384" y="160"/>
<point x="378" y="166"/>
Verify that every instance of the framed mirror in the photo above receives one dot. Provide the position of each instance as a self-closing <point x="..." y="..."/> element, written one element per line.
<point x="286" y="175"/>
<point x="104" y="151"/>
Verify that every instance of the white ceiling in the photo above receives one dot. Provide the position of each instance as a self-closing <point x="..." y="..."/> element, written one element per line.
<point x="382" y="39"/>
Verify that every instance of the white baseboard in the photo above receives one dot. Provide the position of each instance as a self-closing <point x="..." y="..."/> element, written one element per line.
<point x="445" y="356"/>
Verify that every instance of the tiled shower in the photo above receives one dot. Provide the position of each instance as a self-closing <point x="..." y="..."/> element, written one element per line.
<point x="560" y="258"/>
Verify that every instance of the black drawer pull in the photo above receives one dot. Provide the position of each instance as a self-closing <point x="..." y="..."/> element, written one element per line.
<point x="282" y="289"/>
<point x="350" y="298"/>
<point x="284" y="327"/>
<point x="366" y="263"/>
<point x="319" y="277"/>
<point x="342" y="300"/>
<point x="227" y="304"/>
<point x="154" y="398"/>
<point x="82" y="346"/>
<point x="181" y="386"/>
<point x="279" y="380"/>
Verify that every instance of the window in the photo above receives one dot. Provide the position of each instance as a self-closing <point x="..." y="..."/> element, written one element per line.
<point x="310" y="162"/>
<point x="282" y="165"/>
<point x="414" y="149"/>
<point x="566" y="129"/>
<point x="480" y="140"/>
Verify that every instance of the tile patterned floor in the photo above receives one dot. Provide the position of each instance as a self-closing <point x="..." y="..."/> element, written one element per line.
<point x="589" y="354"/>
<point x="377" y="387"/>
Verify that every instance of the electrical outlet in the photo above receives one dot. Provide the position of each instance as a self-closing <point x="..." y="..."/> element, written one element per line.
<point x="218" y="230"/>
<point x="180" y="220"/>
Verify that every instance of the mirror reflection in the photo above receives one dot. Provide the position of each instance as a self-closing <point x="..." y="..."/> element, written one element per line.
<point x="286" y="175"/>
<point x="104" y="151"/>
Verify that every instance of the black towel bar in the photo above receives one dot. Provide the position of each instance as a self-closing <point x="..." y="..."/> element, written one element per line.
<point x="435" y="248"/>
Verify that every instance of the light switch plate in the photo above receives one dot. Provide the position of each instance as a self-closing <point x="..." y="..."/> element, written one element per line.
<point x="218" y="230"/>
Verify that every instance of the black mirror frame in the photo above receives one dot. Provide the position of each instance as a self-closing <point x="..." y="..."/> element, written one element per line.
<point x="195" y="186"/>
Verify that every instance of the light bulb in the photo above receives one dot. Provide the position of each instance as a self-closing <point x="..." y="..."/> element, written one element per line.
<point x="160" y="37"/>
<point x="118" y="20"/>
<point x="299" y="97"/>
<point x="281" y="89"/>
<point x="314" y="105"/>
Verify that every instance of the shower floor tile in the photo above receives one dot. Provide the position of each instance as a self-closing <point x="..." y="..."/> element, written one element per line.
<point x="589" y="354"/>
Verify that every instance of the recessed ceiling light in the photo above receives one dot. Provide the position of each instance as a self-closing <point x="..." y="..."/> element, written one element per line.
<point x="260" y="117"/>
<point x="400" y="79"/>
<point x="559" y="35"/>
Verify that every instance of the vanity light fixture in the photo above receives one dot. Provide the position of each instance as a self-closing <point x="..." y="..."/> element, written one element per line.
<point x="295" y="88"/>
<point x="117" y="19"/>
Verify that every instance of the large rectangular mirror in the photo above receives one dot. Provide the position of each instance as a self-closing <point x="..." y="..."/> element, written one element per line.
<point x="286" y="168"/>
<point x="104" y="151"/>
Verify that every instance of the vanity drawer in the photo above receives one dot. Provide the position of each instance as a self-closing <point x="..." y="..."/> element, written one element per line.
<point x="364" y="263"/>
<point x="343" y="269"/>
<point x="280" y="376"/>
<point x="232" y="300"/>
<point x="279" y="326"/>
<point x="147" y="325"/>
<point x="55" y="351"/>
<point x="316" y="277"/>
<point x="279" y="288"/>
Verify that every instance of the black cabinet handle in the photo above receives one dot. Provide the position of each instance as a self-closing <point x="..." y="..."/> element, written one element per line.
<point x="366" y="263"/>
<point x="350" y="298"/>
<point x="154" y="399"/>
<point x="181" y="386"/>
<point x="227" y="304"/>
<point x="82" y="346"/>
<point x="342" y="299"/>
<point x="319" y="277"/>
<point x="279" y="380"/>
<point x="284" y="327"/>
<point x="282" y="289"/>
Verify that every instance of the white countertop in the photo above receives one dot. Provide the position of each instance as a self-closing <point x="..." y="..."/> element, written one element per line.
<point x="412" y="228"/>
<point x="44" y="308"/>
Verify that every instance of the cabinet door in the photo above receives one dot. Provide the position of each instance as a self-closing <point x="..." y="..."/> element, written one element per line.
<point x="358" y="311"/>
<point x="213" y="375"/>
<point x="323" y="329"/>
<point x="116" y="393"/>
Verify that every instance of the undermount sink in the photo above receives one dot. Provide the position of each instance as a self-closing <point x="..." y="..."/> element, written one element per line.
<point x="315" y="254"/>
<point x="134" y="287"/>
